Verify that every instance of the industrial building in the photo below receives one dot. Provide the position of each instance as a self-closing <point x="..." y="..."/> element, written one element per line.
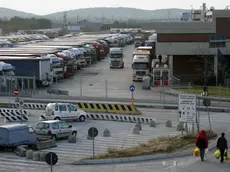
<point x="188" y="43"/>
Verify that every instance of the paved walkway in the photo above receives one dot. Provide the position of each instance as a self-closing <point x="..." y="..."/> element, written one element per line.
<point x="210" y="164"/>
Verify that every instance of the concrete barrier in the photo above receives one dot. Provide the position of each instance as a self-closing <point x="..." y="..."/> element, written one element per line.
<point x="168" y="124"/>
<point x="106" y="133"/>
<point x="43" y="155"/>
<point x="13" y="115"/>
<point x="152" y="123"/>
<point x="138" y="125"/>
<point x="29" y="154"/>
<point x="72" y="138"/>
<point x="36" y="156"/>
<point x="118" y="118"/>
<point x="136" y="130"/>
<point x="46" y="144"/>
<point x="20" y="151"/>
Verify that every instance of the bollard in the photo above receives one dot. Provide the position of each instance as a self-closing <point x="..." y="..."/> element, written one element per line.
<point x="106" y="133"/>
<point x="29" y="154"/>
<point x="152" y="123"/>
<point x="168" y="124"/>
<point x="36" y="156"/>
<point x="42" y="156"/>
<point x="180" y="126"/>
<point x="138" y="125"/>
<point x="136" y="130"/>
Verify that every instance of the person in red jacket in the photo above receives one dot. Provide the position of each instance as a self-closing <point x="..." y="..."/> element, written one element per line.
<point x="202" y="143"/>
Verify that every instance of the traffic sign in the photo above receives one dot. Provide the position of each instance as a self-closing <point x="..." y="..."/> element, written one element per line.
<point x="93" y="132"/>
<point x="132" y="88"/>
<point x="51" y="158"/>
<point x="207" y="102"/>
<point x="15" y="91"/>
<point x="187" y="108"/>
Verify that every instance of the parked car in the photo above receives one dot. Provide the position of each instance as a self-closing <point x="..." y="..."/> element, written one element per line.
<point x="64" y="111"/>
<point x="53" y="129"/>
<point x="17" y="134"/>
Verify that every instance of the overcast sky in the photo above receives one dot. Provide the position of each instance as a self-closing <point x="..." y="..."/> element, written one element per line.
<point x="49" y="6"/>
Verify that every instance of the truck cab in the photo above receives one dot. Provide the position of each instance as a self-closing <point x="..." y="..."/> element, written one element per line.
<point x="116" y="58"/>
<point x="57" y="66"/>
<point x="140" y="65"/>
<point x="6" y="73"/>
<point x="138" y="40"/>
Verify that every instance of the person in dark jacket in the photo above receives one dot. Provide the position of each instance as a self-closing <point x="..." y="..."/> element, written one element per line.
<point x="202" y="143"/>
<point x="222" y="145"/>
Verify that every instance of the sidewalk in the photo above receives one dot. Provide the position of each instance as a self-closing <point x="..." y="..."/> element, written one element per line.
<point x="211" y="164"/>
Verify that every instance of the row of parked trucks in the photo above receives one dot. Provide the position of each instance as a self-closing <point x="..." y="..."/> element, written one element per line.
<point x="52" y="60"/>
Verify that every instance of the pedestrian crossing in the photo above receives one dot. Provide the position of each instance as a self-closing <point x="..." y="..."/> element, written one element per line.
<point x="69" y="152"/>
<point x="84" y="148"/>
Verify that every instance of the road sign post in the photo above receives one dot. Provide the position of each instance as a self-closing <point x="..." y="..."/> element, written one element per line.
<point x="21" y="102"/>
<point x="187" y="108"/>
<point x="51" y="159"/>
<point x="207" y="103"/>
<point x="93" y="132"/>
<point x="132" y="89"/>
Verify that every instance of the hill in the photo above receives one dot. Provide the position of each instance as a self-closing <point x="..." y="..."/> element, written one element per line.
<point x="9" y="13"/>
<point x="101" y="14"/>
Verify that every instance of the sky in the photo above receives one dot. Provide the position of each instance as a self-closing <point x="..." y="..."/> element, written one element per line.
<point x="42" y="7"/>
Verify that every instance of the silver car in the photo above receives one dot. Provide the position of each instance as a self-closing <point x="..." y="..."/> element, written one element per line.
<point x="53" y="129"/>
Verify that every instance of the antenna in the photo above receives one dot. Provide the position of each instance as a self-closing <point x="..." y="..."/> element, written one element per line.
<point x="65" y="20"/>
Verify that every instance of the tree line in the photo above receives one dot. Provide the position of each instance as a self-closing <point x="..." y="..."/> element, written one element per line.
<point x="17" y="23"/>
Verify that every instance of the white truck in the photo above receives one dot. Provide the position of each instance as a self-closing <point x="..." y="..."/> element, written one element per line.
<point x="6" y="73"/>
<point x="140" y="65"/>
<point x="116" y="58"/>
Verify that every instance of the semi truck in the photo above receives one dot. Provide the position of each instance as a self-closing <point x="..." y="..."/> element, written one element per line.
<point x="116" y="58"/>
<point x="30" y="66"/>
<point x="6" y="73"/>
<point x="140" y="65"/>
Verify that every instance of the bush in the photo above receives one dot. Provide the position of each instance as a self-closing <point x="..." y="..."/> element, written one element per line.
<point x="159" y="145"/>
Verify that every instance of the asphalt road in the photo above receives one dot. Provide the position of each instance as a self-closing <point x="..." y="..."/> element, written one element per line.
<point x="121" y="136"/>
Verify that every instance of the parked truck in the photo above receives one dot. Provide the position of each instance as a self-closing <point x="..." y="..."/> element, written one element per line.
<point x="13" y="135"/>
<point x="141" y="65"/>
<point x="116" y="58"/>
<point x="6" y="75"/>
<point x="30" y="66"/>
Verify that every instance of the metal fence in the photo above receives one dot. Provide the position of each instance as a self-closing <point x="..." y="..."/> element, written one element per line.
<point x="26" y="85"/>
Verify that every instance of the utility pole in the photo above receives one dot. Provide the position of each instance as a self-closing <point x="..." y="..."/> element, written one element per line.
<point x="205" y="70"/>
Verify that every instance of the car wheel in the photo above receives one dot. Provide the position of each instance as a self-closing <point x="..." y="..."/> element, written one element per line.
<point x="82" y="118"/>
<point x="54" y="137"/>
<point x="57" y="118"/>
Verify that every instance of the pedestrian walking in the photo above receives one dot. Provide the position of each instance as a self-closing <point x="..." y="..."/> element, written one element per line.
<point x="222" y="145"/>
<point x="202" y="143"/>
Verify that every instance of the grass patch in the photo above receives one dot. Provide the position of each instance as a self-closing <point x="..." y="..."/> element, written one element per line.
<point x="215" y="91"/>
<point x="154" y="146"/>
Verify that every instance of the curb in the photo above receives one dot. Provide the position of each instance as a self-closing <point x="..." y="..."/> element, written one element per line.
<point x="139" y="158"/>
<point x="41" y="106"/>
<point x="117" y="118"/>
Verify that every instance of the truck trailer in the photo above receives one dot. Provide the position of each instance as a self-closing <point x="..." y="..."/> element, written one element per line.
<point x="30" y="66"/>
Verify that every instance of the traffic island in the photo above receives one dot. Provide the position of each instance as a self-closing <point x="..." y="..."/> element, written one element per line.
<point x="159" y="148"/>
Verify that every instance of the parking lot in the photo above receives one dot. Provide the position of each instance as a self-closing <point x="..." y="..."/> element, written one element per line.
<point x="99" y="80"/>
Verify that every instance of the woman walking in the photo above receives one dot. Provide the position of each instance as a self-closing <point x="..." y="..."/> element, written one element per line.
<point x="202" y="143"/>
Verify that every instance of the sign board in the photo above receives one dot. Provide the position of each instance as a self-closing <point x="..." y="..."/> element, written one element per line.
<point x="93" y="132"/>
<point x="51" y="158"/>
<point x="132" y="88"/>
<point x="187" y="108"/>
<point x="15" y="91"/>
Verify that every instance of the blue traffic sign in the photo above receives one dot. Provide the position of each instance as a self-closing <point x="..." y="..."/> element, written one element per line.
<point x="132" y="88"/>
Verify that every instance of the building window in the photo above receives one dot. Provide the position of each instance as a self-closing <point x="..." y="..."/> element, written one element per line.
<point x="216" y="37"/>
<point x="217" y="44"/>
